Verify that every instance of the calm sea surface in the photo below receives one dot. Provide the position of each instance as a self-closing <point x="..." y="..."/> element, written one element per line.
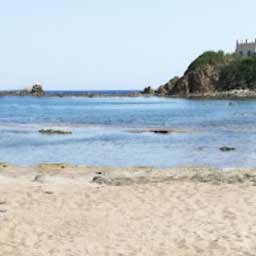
<point x="103" y="131"/>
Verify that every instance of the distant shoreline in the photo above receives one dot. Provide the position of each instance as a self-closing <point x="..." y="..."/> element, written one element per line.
<point x="73" y="93"/>
<point x="225" y="95"/>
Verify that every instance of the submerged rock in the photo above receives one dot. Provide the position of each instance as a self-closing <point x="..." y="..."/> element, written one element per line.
<point x="52" y="132"/>
<point x="227" y="149"/>
<point x="162" y="131"/>
<point x="157" y="131"/>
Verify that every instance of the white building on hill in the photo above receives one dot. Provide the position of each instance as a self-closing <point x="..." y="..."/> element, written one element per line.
<point x="246" y="48"/>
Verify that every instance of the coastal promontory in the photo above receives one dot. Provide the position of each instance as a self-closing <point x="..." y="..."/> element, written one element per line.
<point x="213" y="74"/>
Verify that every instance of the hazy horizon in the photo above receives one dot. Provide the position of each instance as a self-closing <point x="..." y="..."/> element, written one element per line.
<point x="96" y="45"/>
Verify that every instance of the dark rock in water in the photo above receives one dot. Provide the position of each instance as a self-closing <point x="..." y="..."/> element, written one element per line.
<point x="123" y="181"/>
<point x="162" y="131"/>
<point x="226" y="149"/>
<point x="52" y="132"/>
<point x="168" y="131"/>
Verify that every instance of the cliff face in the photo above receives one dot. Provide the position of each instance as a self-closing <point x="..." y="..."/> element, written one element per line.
<point x="197" y="82"/>
<point x="213" y="72"/>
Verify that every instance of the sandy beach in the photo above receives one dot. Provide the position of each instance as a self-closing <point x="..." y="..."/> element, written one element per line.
<point x="69" y="210"/>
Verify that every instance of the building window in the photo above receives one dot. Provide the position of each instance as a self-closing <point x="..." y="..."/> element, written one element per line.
<point x="249" y="54"/>
<point x="241" y="54"/>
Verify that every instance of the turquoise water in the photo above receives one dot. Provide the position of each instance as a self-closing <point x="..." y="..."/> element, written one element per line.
<point x="102" y="131"/>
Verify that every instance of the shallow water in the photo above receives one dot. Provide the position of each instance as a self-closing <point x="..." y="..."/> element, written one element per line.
<point x="101" y="131"/>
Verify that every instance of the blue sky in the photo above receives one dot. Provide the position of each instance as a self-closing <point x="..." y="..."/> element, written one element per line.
<point x="114" y="44"/>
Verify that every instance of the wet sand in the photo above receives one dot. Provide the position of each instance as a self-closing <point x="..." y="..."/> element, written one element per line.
<point x="68" y="210"/>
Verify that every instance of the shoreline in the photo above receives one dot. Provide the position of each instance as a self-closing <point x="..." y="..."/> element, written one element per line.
<point x="67" y="94"/>
<point x="212" y="96"/>
<point x="121" y="176"/>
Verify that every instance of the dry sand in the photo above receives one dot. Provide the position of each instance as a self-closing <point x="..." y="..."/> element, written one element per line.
<point x="57" y="210"/>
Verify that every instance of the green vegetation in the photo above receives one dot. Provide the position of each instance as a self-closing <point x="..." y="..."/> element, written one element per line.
<point x="209" y="58"/>
<point x="37" y="89"/>
<point x="234" y="72"/>
<point x="239" y="74"/>
<point x="149" y="90"/>
<point x="213" y="72"/>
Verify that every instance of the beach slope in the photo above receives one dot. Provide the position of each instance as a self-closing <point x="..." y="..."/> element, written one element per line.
<point x="67" y="210"/>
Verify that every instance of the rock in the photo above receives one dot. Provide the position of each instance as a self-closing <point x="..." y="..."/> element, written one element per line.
<point x="214" y="178"/>
<point x="38" y="178"/>
<point x="166" y="131"/>
<point x="226" y="149"/>
<point x="37" y="90"/>
<point x="3" y="165"/>
<point x="52" y="132"/>
<point x="100" y="180"/>
<point x="157" y="131"/>
<point x="162" y="90"/>
<point x="48" y="192"/>
<point x="250" y="177"/>
<point x="34" y="90"/>
<point x="162" y="131"/>
<point x="123" y="181"/>
<point x="218" y="178"/>
<point x="149" y="90"/>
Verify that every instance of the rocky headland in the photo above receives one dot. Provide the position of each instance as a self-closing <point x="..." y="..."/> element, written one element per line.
<point x="213" y="75"/>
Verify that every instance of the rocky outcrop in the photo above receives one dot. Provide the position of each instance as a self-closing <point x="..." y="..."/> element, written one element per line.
<point x="54" y="132"/>
<point x="214" y="74"/>
<point x="149" y="90"/>
<point x="201" y="81"/>
<point x="226" y="149"/>
<point x="37" y="90"/>
<point x="169" y="86"/>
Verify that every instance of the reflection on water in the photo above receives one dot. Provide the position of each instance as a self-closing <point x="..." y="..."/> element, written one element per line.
<point x="102" y="131"/>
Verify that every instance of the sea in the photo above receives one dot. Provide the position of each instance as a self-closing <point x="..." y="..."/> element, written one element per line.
<point x="115" y="131"/>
